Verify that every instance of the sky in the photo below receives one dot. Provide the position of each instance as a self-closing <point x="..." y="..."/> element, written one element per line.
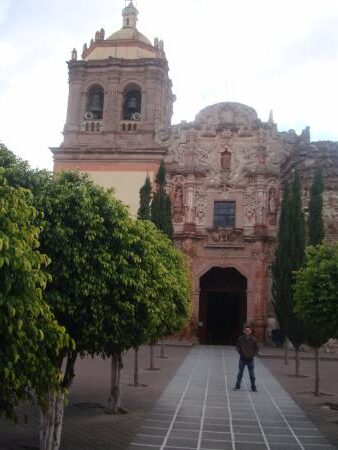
<point x="270" y="55"/>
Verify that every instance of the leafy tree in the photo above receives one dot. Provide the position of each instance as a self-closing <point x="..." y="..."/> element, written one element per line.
<point x="78" y="219"/>
<point x="30" y="336"/>
<point x="290" y="255"/>
<point x="315" y="222"/>
<point x="161" y="204"/>
<point x="145" y="199"/>
<point x="146" y="294"/>
<point x="316" y="301"/>
<point x="74" y="228"/>
<point x="107" y="273"/>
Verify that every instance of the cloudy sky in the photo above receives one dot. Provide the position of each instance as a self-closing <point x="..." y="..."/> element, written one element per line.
<point x="279" y="55"/>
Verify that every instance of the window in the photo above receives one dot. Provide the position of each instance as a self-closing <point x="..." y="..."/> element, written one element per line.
<point x="95" y="103"/>
<point x="224" y="214"/>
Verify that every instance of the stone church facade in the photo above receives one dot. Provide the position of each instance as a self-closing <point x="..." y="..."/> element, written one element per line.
<point x="225" y="171"/>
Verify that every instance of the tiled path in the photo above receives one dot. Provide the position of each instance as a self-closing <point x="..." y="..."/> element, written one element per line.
<point x="199" y="410"/>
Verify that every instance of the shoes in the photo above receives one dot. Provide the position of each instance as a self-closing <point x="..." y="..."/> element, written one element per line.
<point x="237" y="388"/>
<point x="254" y="389"/>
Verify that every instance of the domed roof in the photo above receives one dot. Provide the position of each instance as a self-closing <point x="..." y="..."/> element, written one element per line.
<point x="129" y="34"/>
<point x="127" y="43"/>
<point x="227" y="112"/>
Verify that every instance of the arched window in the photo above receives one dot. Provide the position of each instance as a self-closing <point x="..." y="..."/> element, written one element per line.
<point x="132" y="103"/>
<point x="95" y="100"/>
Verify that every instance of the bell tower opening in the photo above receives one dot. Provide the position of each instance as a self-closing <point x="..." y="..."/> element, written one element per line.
<point x="95" y="99"/>
<point x="132" y="103"/>
<point x="223" y="306"/>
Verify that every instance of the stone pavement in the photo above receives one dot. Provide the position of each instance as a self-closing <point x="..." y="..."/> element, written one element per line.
<point x="86" y="426"/>
<point x="197" y="407"/>
<point x="199" y="410"/>
<point x="322" y="410"/>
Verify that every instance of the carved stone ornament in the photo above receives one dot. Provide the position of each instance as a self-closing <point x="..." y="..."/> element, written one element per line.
<point x="226" y="159"/>
<point x="200" y="212"/>
<point x="177" y="199"/>
<point x="224" y="237"/>
<point x="163" y="136"/>
<point x="249" y="203"/>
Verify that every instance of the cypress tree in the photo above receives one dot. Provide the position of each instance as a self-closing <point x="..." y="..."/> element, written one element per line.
<point x="281" y="288"/>
<point x="315" y="221"/>
<point x="161" y="204"/>
<point x="143" y="212"/>
<point x="290" y="256"/>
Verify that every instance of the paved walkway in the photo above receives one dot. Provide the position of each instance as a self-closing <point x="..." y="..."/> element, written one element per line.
<point x="199" y="410"/>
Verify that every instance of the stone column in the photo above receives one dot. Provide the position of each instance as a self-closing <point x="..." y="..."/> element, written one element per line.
<point x="74" y="109"/>
<point x="260" y="292"/>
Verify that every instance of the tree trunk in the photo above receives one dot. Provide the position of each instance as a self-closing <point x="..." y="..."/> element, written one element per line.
<point x="51" y="418"/>
<point x="46" y="426"/>
<point x="286" y="352"/>
<point x="297" y="361"/>
<point x="52" y="410"/>
<point x="136" y="382"/>
<point x="316" y="371"/>
<point x="162" y="355"/>
<point x="151" y="366"/>
<point x="114" y="400"/>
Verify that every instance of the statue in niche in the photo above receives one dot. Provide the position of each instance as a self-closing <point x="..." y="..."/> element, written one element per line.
<point x="226" y="160"/>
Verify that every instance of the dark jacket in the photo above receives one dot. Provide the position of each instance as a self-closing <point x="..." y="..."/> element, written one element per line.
<point x="247" y="347"/>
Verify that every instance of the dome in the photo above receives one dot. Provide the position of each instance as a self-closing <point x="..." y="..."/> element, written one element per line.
<point x="227" y="112"/>
<point x="127" y="43"/>
<point x="129" y="34"/>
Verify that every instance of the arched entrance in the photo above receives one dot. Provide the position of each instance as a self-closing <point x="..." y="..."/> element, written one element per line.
<point x="222" y="309"/>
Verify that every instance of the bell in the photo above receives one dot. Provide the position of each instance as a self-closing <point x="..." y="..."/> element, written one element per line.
<point x="132" y="104"/>
<point x="96" y="104"/>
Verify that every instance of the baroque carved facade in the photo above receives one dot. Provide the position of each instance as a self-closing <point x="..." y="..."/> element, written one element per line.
<point x="225" y="172"/>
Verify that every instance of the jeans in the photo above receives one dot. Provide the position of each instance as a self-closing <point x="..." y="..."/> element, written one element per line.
<point x="250" y="365"/>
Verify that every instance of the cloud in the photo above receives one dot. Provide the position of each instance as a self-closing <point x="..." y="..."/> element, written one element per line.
<point x="4" y="7"/>
<point x="321" y="44"/>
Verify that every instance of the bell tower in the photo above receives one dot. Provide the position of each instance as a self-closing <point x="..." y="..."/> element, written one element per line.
<point x="119" y="95"/>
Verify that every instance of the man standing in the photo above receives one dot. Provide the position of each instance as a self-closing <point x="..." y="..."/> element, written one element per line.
<point x="247" y="348"/>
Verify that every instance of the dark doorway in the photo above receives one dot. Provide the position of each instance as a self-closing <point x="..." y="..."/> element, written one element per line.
<point x="222" y="306"/>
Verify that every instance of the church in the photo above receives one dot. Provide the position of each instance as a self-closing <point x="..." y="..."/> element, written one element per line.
<point x="225" y="171"/>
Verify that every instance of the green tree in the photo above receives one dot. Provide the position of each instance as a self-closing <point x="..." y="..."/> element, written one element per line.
<point x="161" y="204"/>
<point x="146" y="298"/>
<point x="315" y="221"/>
<point x="72" y="216"/>
<point x="161" y="217"/>
<point x="30" y="336"/>
<point x="145" y="199"/>
<point x="281" y="286"/>
<point x="290" y="256"/>
<point x="83" y="233"/>
<point x="316" y="301"/>
<point x="316" y="337"/>
<point x="108" y="274"/>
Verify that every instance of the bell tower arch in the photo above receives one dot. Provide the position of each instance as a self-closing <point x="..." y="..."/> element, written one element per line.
<point x="119" y="94"/>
